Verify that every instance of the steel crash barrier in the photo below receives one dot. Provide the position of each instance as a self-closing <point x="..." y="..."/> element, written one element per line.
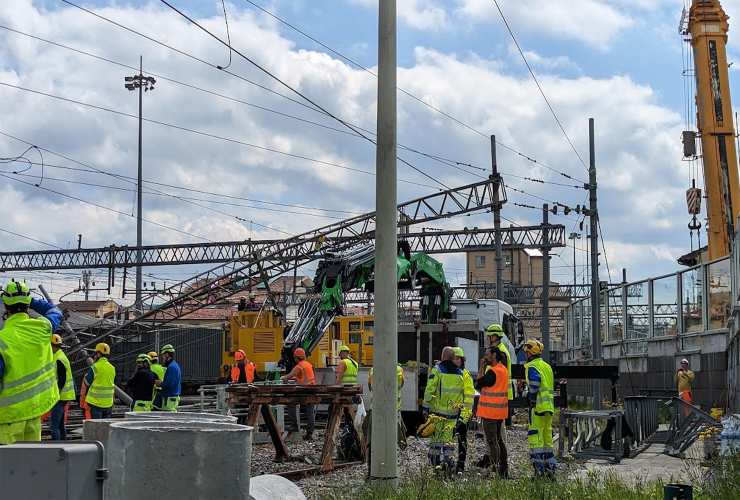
<point x="687" y="421"/>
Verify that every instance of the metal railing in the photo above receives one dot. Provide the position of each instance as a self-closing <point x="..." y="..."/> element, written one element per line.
<point x="681" y="305"/>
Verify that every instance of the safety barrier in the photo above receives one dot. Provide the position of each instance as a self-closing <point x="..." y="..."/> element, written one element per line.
<point x="581" y="434"/>
<point x="641" y="414"/>
<point x="687" y="421"/>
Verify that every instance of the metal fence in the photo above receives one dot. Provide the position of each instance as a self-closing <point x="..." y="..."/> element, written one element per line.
<point x="683" y="304"/>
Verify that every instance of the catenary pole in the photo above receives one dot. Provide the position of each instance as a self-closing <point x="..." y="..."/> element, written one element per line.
<point x="384" y="454"/>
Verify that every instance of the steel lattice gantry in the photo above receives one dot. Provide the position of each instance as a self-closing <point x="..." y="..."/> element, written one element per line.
<point x="271" y="259"/>
<point x="114" y="257"/>
<point x="267" y="260"/>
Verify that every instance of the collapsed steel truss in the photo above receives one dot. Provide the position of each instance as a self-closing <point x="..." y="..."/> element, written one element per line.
<point x="273" y="258"/>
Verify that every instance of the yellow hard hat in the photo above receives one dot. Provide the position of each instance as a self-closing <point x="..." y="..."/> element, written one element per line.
<point x="495" y="329"/>
<point x="152" y="355"/>
<point x="103" y="348"/>
<point x="344" y="348"/>
<point x="458" y="351"/>
<point x="533" y="347"/>
<point x="56" y="339"/>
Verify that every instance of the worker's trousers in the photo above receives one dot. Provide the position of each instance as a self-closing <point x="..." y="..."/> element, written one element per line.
<point x="462" y="444"/>
<point x="25" y="430"/>
<point x="442" y="444"/>
<point x="56" y="421"/>
<point x="496" y="445"/>
<point x="539" y="436"/>
<point x="100" y="413"/>
<point x="291" y="418"/>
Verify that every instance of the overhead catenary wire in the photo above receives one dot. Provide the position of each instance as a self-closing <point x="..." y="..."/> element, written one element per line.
<point x="539" y="86"/>
<point x="186" y="198"/>
<point x="95" y="170"/>
<point x="358" y="65"/>
<point x="30" y="238"/>
<point x="104" y="207"/>
<point x="296" y="101"/>
<point x="437" y="158"/>
<point x="294" y="90"/>
<point x="202" y="133"/>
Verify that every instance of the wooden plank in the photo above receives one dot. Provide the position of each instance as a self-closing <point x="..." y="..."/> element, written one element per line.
<point x="327" y="453"/>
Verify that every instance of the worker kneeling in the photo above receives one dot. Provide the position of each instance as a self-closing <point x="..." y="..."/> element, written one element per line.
<point x="168" y="395"/>
<point x="448" y="398"/>
<point x="141" y="385"/>
<point x="541" y="386"/>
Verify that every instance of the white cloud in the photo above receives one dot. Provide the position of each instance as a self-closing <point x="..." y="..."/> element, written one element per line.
<point x="638" y="147"/>
<point x="420" y="14"/>
<point x="594" y="22"/>
<point x="548" y="64"/>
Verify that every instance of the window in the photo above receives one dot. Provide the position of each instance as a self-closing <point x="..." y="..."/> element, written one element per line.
<point x="355" y="326"/>
<point x="480" y="261"/>
<point x="355" y="338"/>
<point x="369" y="326"/>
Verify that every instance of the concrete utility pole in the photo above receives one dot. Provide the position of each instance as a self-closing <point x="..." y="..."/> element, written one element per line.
<point x="384" y="454"/>
<point x="497" y="221"/>
<point x="143" y="84"/>
<point x="545" y="317"/>
<point x="595" y="293"/>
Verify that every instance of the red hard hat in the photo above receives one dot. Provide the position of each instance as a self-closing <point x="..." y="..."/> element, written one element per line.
<point x="240" y="355"/>
<point x="299" y="353"/>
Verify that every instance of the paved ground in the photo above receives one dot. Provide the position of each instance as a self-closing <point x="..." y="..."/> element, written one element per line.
<point x="650" y="465"/>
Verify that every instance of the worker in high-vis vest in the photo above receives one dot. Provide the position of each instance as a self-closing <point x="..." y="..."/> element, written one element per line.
<point x="98" y="387"/>
<point x="347" y="368"/>
<point x="447" y="397"/>
<point x="167" y="398"/>
<point x="495" y="333"/>
<point x="66" y="385"/>
<point x="461" y="429"/>
<point x="303" y="374"/>
<point x="141" y="385"/>
<point x="154" y="365"/>
<point x="243" y="370"/>
<point x="541" y="387"/>
<point x="493" y="407"/>
<point x="28" y="380"/>
<point x="367" y="423"/>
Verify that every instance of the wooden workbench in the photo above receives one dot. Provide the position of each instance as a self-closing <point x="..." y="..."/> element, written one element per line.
<point x="258" y="398"/>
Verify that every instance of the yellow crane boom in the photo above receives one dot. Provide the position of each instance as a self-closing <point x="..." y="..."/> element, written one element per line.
<point x="708" y="26"/>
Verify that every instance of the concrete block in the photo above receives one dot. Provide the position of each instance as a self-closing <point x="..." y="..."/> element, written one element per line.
<point x="98" y="430"/>
<point x="174" y="460"/>
<point x="269" y="486"/>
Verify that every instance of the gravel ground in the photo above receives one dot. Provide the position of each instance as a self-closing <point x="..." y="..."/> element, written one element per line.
<point x="412" y="460"/>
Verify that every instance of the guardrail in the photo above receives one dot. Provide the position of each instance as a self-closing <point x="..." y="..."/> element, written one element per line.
<point x="681" y="305"/>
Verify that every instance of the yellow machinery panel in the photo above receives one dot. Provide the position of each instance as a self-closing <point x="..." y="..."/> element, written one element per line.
<point x="260" y="335"/>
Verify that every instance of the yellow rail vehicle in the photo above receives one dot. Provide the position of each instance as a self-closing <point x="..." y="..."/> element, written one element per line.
<point x="260" y="335"/>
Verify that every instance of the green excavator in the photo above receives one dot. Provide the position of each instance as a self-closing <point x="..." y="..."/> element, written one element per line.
<point x="337" y="274"/>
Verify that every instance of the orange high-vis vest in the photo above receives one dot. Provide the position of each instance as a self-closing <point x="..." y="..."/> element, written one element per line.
<point x="249" y="369"/>
<point x="494" y="401"/>
<point x="305" y="374"/>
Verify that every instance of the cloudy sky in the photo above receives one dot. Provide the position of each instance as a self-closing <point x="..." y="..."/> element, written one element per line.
<point x="617" y="61"/>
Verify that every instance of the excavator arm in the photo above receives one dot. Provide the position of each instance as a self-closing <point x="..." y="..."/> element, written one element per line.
<point x="337" y="274"/>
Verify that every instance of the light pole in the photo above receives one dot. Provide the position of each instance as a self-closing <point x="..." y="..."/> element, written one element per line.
<point x="143" y="84"/>
<point x="574" y="237"/>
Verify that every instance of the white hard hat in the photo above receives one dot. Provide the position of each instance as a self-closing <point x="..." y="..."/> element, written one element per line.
<point x="684" y="360"/>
